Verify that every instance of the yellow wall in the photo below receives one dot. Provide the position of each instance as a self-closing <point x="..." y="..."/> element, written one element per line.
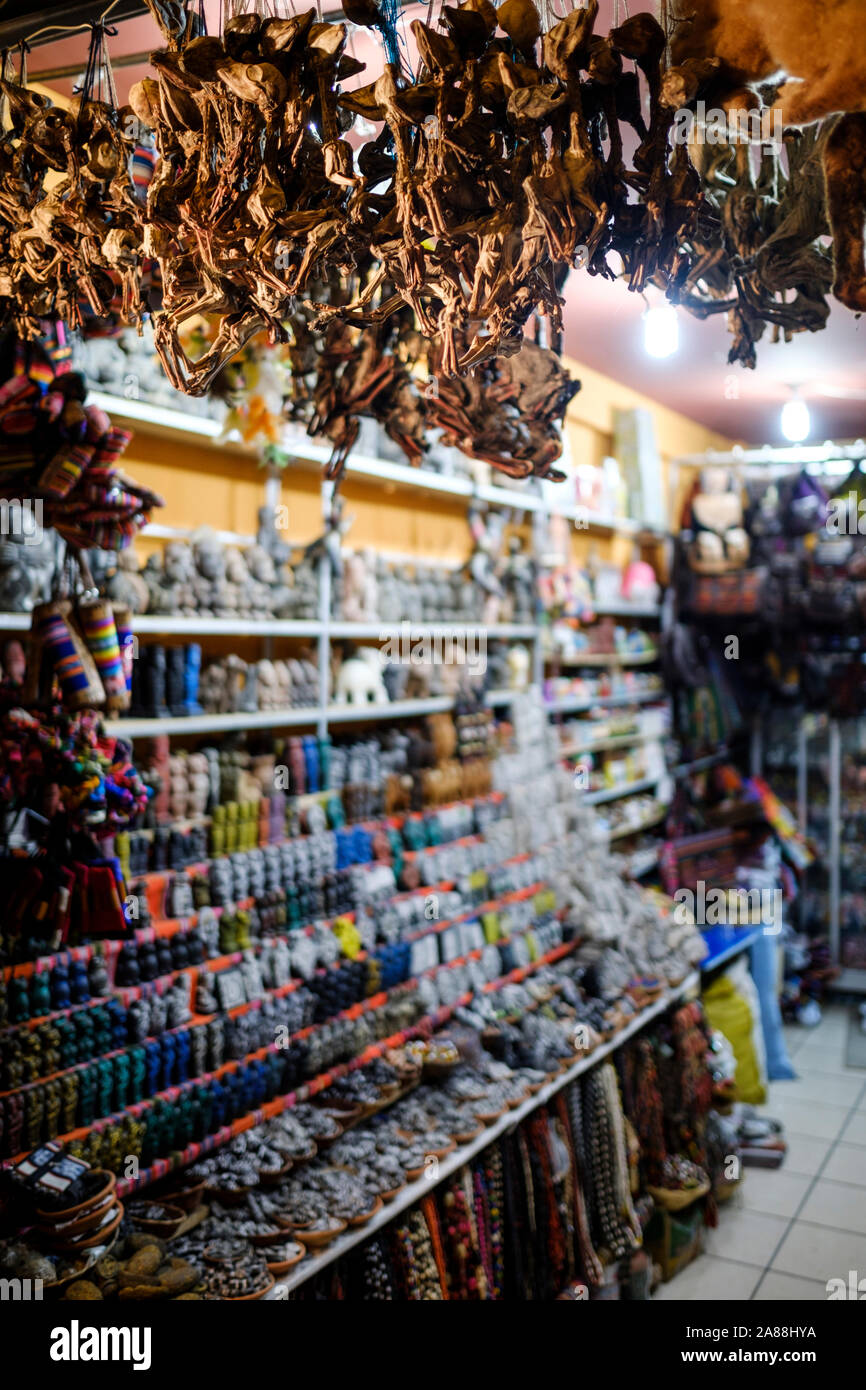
<point x="223" y="487"/>
<point x="589" y="424"/>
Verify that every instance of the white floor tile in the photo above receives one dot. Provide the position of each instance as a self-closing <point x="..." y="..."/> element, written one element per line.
<point x="805" y="1155"/>
<point x="847" y="1163"/>
<point x="784" y="1288"/>
<point x="774" y="1191"/>
<point x="836" y="1204"/>
<point x="855" y="1130"/>
<point x="708" y="1279"/>
<point x="828" y="1064"/>
<point x="810" y="1118"/>
<point x="821" y="1088"/>
<point x="819" y="1253"/>
<point x="824" y="1054"/>
<point x="745" y="1236"/>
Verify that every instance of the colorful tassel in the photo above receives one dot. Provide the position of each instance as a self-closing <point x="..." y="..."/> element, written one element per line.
<point x="126" y="642"/>
<point x="60" y="647"/>
<point x="100" y="633"/>
<point x="65" y="469"/>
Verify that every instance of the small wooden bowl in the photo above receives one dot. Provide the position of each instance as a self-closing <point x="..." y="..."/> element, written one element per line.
<point x="164" y="1227"/>
<point x="251" y="1297"/>
<point x="448" y="1149"/>
<point x="345" y="1109"/>
<point x="280" y="1267"/>
<point x="228" y="1196"/>
<point x="489" y="1117"/>
<point x="438" y="1071"/>
<point x="307" y="1155"/>
<point x="356" y="1221"/>
<point x="266" y="1238"/>
<point x="391" y="1193"/>
<point x="70" y="1229"/>
<point x="467" y="1135"/>
<point x="314" y="1240"/>
<point x="272" y="1177"/>
<point x="187" y="1198"/>
<point x="288" y="1225"/>
<point x="59" y="1218"/>
<point x="100" y="1237"/>
<point x="328" y="1140"/>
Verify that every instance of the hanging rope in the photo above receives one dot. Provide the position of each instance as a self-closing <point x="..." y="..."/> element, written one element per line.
<point x="196" y="20"/>
<point x="98" y="83"/>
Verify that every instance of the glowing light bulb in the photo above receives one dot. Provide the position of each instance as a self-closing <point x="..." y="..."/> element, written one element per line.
<point x="661" y="330"/>
<point x="795" y="420"/>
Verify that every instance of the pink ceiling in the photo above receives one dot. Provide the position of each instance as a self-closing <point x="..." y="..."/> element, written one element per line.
<point x="603" y="320"/>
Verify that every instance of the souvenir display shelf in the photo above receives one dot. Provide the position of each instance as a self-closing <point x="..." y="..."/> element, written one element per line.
<point x="415" y="1191"/>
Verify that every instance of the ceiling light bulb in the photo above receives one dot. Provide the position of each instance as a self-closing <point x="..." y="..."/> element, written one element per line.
<point x="796" y="423"/>
<point x="661" y="330"/>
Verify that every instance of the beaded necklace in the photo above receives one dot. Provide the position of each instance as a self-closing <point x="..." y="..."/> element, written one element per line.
<point x="405" y="1262"/>
<point x="589" y="1261"/>
<point x="606" y="1218"/>
<point x="495" y="1204"/>
<point x="427" y="1275"/>
<point x="621" y="1184"/>
<point x="647" y="1111"/>
<point x="482" y="1223"/>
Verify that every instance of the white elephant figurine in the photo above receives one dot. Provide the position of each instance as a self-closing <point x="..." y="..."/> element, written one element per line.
<point x="359" y="681"/>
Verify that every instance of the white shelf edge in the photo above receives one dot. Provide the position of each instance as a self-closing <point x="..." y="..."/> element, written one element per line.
<point x="210" y="723"/>
<point x="643" y="784"/>
<point x="275" y="719"/>
<point x="167" y="625"/>
<point x="385" y="631"/>
<point x="395" y="709"/>
<point x="311" y="627"/>
<point x="415" y="1191"/>
<point x="123" y="408"/>
<point x="574" y="704"/>
<point x="186" y="625"/>
<point x="608" y="745"/>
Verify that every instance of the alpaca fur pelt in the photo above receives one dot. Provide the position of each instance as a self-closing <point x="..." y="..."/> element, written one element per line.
<point x="816" y="44"/>
<point x="815" y="49"/>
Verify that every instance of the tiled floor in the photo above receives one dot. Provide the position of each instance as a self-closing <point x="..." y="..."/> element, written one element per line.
<point x="787" y="1232"/>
